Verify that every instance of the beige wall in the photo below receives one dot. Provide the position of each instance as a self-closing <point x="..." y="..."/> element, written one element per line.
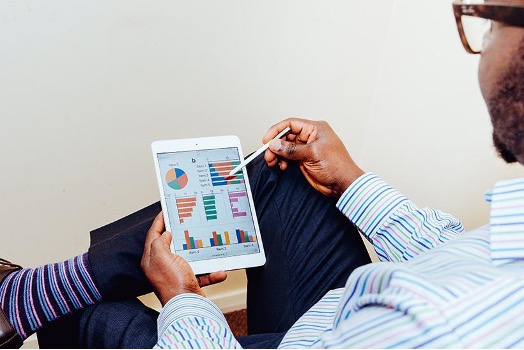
<point x="86" y="86"/>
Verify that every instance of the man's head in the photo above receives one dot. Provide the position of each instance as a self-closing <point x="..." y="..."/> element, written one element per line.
<point x="501" y="72"/>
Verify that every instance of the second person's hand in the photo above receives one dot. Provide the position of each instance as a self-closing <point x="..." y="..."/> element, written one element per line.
<point x="322" y="157"/>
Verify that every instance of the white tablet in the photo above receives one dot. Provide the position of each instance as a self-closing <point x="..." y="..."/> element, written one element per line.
<point x="210" y="214"/>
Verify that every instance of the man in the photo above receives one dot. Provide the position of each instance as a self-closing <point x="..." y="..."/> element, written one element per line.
<point x="437" y="286"/>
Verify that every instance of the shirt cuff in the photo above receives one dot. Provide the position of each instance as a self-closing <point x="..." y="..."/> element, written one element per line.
<point x="187" y="305"/>
<point x="368" y="202"/>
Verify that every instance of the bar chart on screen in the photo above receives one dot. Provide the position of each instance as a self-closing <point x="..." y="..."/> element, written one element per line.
<point x="210" y="214"/>
<point x="217" y="239"/>
<point x="210" y="206"/>
<point x="185" y="207"/>
<point x="239" y="203"/>
<point x="219" y="172"/>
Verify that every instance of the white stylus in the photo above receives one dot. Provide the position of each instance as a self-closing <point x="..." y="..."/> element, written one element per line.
<point x="258" y="151"/>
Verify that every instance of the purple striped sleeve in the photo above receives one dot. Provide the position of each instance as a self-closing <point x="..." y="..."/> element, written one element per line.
<point x="33" y="297"/>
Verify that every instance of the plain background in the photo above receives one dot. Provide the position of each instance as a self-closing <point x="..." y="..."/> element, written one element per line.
<point x="86" y="86"/>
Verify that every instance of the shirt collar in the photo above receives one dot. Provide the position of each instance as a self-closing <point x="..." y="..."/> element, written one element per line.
<point x="507" y="221"/>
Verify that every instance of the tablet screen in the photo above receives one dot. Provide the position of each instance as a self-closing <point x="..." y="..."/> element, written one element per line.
<point x="209" y="211"/>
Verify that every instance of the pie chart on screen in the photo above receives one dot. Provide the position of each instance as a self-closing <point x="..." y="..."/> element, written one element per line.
<point x="176" y="178"/>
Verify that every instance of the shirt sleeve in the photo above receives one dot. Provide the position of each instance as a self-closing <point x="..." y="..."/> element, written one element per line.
<point x="190" y="321"/>
<point x="396" y="227"/>
<point x="383" y="327"/>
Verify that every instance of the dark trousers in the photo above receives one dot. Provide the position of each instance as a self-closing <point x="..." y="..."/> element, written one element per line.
<point x="310" y="248"/>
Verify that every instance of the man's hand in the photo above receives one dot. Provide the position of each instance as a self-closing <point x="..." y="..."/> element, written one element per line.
<point x="322" y="156"/>
<point x="169" y="273"/>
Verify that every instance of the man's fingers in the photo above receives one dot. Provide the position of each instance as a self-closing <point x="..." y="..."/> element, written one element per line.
<point x="158" y="224"/>
<point x="288" y="150"/>
<point x="300" y="128"/>
<point x="211" y="278"/>
<point x="161" y="245"/>
<point x="275" y="129"/>
<point x="166" y="238"/>
<point x="155" y="231"/>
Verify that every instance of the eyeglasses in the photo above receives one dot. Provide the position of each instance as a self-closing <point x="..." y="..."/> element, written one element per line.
<point x="474" y="20"/>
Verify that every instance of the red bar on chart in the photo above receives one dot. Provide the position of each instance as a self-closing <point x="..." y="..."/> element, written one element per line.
<point x="219" y="171"/>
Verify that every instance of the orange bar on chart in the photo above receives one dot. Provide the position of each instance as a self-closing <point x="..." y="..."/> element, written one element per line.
<point x="188" y="241"/>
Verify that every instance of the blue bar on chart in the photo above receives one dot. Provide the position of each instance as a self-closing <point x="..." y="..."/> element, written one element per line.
<point x="220" y="173"/>
<point x="219" y="240"/>
<point x="244" y="236"/>
<point x="234" y="200"/>
<point x="191" y="243"/>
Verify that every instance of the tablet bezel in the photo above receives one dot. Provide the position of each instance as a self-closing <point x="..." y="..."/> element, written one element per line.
<point x="207" y="143"/>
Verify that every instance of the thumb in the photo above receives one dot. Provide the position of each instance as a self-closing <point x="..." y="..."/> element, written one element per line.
<point x="288" y="150"/>
<point x="166" y="238"/>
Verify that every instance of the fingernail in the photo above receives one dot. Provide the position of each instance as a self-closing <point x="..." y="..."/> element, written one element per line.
<point x="275" y="145"/>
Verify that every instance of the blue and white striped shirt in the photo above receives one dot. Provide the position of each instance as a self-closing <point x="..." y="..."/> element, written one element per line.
<point x="435" y="287"/>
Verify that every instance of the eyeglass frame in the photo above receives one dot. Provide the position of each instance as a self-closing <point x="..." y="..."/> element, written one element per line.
<point x="509" y="14"/>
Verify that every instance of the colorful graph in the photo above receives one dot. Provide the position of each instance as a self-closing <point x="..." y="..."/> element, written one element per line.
<point x="219" y="171"/>
<point x="176" y="178"/>
<point x="244" y="237"/>
<point x="210" y="206"/>
<point x="191" y="243"/>
<point x="234" y="200"/>
<point x="217" y="240"/>
<point x="185" y="206"/>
